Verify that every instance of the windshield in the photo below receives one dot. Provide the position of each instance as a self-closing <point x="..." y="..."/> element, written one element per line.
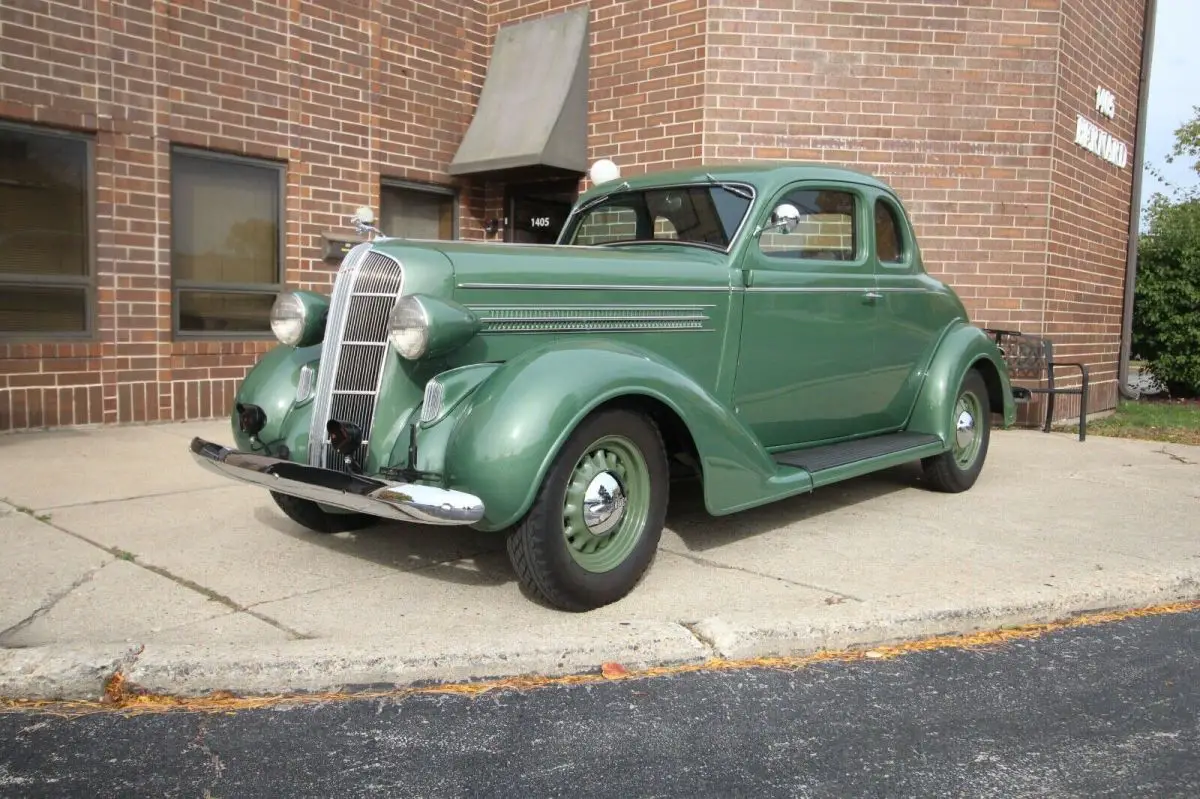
<point x="708" y="215"/>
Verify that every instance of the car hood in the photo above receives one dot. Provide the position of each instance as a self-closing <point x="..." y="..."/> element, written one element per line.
<point x="482" y="263"/>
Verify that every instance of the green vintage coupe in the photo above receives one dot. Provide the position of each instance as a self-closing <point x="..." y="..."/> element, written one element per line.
<point x="766" y="328"/>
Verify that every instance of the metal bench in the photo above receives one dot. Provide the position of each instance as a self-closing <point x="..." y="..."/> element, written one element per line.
<point x="1032" y="358"/>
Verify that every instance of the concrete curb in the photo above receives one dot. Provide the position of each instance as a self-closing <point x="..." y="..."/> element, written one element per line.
<point x="66" y="672"/>
<point x="868" y="624"/>
<point x="74" y="672"/>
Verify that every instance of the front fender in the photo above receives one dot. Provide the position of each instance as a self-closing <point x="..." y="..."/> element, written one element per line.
<point x="510" y="429"/>
<point x="963" y="347"/>
<point x="271" y="385"/>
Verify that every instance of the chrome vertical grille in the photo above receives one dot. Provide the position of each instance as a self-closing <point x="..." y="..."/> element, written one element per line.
<point x="355" y="347"/>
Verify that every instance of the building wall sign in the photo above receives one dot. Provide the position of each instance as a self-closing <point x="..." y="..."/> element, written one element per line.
<point x="1095" y="139"/>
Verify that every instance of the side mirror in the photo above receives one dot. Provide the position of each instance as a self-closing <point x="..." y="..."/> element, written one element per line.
<point x="785" y="218"/>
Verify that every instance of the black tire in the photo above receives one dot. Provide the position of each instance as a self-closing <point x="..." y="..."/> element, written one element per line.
<point x="307" y="513"/>
<point x="537" y="546"/>
<point x="944" y="472"/>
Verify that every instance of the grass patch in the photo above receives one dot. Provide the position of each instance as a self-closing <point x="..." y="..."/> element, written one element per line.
<point x="1173" y="421"/>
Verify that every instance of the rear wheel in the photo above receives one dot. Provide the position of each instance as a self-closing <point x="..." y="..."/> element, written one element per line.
<point x="308" y="514"/>
<point x="957" y="469"/>
<point x="594" y="527"/>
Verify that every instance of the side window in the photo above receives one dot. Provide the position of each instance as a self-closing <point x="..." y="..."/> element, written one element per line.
<point x="664" y="228"/>
<point x="889" y="243"/>
<point x="827" y="231"/>
<point x="610" y="223"/>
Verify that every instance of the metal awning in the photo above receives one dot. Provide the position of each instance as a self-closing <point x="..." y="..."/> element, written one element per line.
<point x="533" y="108"/>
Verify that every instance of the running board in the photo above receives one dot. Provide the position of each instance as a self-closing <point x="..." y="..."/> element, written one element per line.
<point x="832" y="463"/>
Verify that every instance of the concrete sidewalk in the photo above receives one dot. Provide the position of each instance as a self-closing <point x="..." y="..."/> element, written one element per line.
<point x="120" y="553"/>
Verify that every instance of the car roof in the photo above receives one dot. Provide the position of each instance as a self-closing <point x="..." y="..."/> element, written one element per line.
<point x="763" y="175"/>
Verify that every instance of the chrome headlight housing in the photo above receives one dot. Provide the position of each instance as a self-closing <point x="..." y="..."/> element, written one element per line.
<point x="288" y="317"/>
<point x="298" y="318"/>
<point x="422" y="325"/>
<point x="408" y="327"/>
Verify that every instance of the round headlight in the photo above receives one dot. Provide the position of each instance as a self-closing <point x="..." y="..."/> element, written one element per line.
<point x="287" y="319"/>
<point x="408" y="328"/>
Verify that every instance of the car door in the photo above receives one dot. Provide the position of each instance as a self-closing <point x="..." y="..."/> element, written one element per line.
<point x="910" y="318"/>
<point x="806" y="367"/>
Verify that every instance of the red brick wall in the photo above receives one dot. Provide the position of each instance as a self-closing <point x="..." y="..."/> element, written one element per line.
<point x="1089" y="207"/>
<point x="340" y="92"/>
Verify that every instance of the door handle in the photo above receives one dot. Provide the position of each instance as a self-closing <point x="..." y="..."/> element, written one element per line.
<point x="871" y="296"/>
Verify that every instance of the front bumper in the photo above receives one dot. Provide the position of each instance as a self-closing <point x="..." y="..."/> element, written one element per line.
<point x="403" y="501"/>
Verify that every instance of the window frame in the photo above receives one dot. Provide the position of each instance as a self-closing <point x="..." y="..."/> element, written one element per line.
<point x="438" y="189"/>
<point x="88" y="281"/>
<point x="178" y="286"/>
<point x="863" y="250"/>
<point x="903" y="235"/>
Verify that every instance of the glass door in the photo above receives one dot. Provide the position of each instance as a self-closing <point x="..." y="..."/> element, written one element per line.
<point x="536" y="212"/>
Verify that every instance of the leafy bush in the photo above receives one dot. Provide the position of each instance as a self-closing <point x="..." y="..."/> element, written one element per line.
<point x="1166" y="311"/>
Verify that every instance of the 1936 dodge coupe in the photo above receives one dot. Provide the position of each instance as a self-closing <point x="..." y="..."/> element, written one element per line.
<point x="768" y="329"/>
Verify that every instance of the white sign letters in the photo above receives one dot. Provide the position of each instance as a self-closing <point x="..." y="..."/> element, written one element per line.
<point x="1092" y="138"/>
<point x="1106" y="102"/>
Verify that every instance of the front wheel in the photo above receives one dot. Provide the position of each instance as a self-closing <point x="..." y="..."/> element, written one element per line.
<point x="594" y="527"/>
<point x="309" y="514"/>
<point x="957" y="469"/>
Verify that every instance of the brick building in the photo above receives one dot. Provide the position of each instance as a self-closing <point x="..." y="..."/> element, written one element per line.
<point x="166" y="166"/>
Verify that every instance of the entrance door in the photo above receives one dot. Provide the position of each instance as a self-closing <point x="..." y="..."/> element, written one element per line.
<point x="536" y="212"/>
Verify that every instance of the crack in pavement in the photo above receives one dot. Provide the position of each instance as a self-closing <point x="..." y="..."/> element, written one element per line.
<point x="704" y="640"/>
<point x="221" y="598"/>
<point x="49" y="604"/>
<point x="70" y="505"/>
<point x="128" y="557"/>
<point x="1173" y="456"/>
<point x="201" y="742"/>
<point x="716" y="565"/>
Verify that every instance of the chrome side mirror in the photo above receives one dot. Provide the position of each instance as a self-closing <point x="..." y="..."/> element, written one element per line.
<point x="785" y="218"/>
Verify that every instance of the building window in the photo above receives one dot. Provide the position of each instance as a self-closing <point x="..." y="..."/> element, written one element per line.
<point x="226" y="242"/>
<point x="412" y="212"/>
<point x="45" y="233"/>
<point x="828" y="228"/>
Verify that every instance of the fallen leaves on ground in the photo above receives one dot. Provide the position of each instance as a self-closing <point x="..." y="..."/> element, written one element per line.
<point x="120" y="696"/>
<point x="613" y="671"/>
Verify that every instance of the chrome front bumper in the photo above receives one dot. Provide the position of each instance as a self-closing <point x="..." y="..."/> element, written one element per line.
<point x="403" y="501"/>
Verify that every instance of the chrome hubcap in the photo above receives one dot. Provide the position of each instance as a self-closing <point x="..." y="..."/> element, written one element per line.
<point x="966" y="430"/>
<point x="603" y="503"/>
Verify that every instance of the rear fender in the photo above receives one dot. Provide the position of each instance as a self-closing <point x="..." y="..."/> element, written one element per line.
<point x="507" y="432"/>
<point x="963" y="347"/>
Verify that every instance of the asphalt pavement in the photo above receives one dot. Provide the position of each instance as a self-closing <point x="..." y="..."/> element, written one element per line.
<point x="1105" y="710"/>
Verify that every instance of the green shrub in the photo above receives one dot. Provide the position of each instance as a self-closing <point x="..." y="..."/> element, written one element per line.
<point x="1166" y="311"/>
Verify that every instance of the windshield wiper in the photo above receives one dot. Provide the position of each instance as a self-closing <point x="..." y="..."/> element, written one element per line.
<point x="729" y="187"/>
<point x="592" y="203"/>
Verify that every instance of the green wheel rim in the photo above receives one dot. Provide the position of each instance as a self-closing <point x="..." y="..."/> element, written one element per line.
<point x="610" y="458"/>
<point x="967" y="433"/>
